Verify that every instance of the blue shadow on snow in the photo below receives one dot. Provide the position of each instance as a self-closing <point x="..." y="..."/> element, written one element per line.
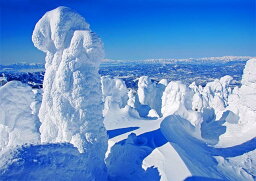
<point x="116" y="132"/>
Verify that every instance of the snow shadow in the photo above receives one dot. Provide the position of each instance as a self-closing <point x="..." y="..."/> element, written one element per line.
<point x="126" y="157"/>
<point x="50" y="162"/>
<point x="210" y="128"/>
<point x="196" y="178"/>
<point x="235" y="150"/>
<point x="143" y="110"/>
<point x="116" y="132"/>
<point x="152" y="139"/>
<point x="195" y="153"/>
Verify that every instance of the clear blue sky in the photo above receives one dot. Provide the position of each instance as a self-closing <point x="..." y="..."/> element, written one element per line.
<point x="140" y="29"/>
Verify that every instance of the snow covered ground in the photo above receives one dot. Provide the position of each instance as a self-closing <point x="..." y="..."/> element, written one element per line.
<point x="159" y="129"/>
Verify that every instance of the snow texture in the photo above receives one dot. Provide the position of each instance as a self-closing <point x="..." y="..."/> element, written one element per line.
<point x="177" y="99"/>
<point x="127" y="165"/>
<point x="162" y="131"/>
<point x="18" y="125"/>
<point x="150" y="93"/>
<point x="71" y="109"/>
<point x="50" y="162"/>
<point x="115" y="93"/>
<point x="242" y="106"/>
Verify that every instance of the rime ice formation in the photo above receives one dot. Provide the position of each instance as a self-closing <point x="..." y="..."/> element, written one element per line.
<point x="242" y="107"/>
<point x="177" y="99"/>
<point x="36" y="104"/>
<point x="247" y="91"/>
<point x="214" y="94"/>
<point x="146" y="90"/>
<point x="54" y="31"/>
<point x="163" y="131"/>
<point x="234" y="108"/>
<point x="115" y="93"/>
<point x="203" y="132"/>
<point x="150" y="93"/>
<point x="71" y="109"/>
<point x="18" y="125"/>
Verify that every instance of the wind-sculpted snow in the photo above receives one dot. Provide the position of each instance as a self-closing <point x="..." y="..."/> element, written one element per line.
<point x="202" y="159"/>
<point x="177" y="99"/>
<point x="202" y="133"/>
<point x="214" y="94"/>
<point x="18" y="125"/>
<point x="242" y="104"/>
<point x="150" y="93"/>
<point x="71" y="109"/>
<point x="197" y="130"/>
<point x="128" y="165"/>
<point x="115" y="93"/>
<point x="248" y="90"/>
<point x="55" y="29"/>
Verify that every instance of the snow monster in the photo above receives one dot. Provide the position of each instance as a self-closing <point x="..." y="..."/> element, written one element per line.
<point x="71" y="110"/>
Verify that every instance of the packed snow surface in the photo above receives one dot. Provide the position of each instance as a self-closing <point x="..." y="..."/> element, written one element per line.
<point x="157" y="130"/>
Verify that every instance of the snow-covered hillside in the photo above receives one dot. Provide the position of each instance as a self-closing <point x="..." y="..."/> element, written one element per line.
<point x="81" y="126"/>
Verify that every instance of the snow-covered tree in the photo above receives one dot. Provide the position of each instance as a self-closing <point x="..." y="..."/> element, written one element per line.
<point x="71" y="109"/>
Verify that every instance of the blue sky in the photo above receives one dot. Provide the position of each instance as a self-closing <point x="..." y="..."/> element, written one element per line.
<point x="139" y="29"/>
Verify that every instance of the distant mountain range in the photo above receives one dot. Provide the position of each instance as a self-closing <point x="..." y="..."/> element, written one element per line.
<point x="21" y="66"/>
<point x="223" y="59"/>
<point x="25" y="66"/>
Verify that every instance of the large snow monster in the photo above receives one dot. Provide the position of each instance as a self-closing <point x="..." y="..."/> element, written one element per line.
<point x="71" y="110"/>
